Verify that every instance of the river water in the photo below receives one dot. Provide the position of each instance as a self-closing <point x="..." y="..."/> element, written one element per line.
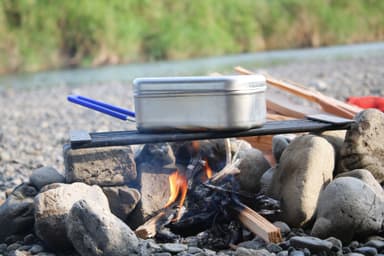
<point x="202" y="66"/>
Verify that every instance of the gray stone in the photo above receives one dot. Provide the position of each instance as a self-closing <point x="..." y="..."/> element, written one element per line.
<point x="162" y="254"/>
<point x="13" y="246"/>
<point x="110" y="166"/>
<point x="122" y="200"/>
<point x="16" y="213"/>
<point x="305" y="167"/>
<point x="273" y="248"/>
<point x="336" y="138"/>
<point x="365" y="176"/>
<point x="353" y="245"/>
<point x="241" y="251"/>
<point x="378" y="244"/>
<point x="24" y="248"/>
<point x="36" y="249"/>
<point x="296" y="253"/>
<point x="154" y="189"/>
<point x="94" y="230"/>
<point x="266" y="180"/>
<point x="253" y="244"/>
<point x="3" y="247"/>
<point x="45" y="254"/>
<point x="208" y="252"/>
<point x="337" y="245"/>
<point x="174" y="247"/>
<point x="284" y="228"/>
<point x="279" y="143"/>
<point x="315" y="245"/>
<point x="364" y="144"/>
<point x="282" y="253"/>
<point x="194" y="250"/>
<point x="252" y="166"/>
<point x="318" y="84"/>
<point x="29" y="239"/>
<point x="367" y="251"/>
<point x="348" y="208"/>
<point x="159" y="154"/>
<point x="52" y="208"/>
<point x="44" y="176"/>
<point x="18" y="253"/>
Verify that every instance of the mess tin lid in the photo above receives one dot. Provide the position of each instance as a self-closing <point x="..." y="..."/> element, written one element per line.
<point x="199" y="84"/>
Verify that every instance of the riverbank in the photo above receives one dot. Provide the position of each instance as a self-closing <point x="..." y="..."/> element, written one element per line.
<point x="41" y="36"/>
<point x="36" y="122"/>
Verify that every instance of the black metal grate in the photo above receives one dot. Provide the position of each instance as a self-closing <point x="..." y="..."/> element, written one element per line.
<point x="119" y="138"/>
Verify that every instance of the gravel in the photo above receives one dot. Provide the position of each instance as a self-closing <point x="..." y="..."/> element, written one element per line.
<point x="35" y="124"/>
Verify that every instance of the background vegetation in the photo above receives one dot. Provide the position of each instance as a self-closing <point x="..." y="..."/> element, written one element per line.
<point x="44" y="34"/>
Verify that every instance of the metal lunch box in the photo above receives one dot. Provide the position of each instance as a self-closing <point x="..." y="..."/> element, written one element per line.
<point x="200" y="103"/>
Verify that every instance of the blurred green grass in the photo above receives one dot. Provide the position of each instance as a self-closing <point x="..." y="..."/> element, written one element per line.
<point x="45" y="34"/>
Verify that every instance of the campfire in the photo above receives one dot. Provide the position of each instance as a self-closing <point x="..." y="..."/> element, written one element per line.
<point x="307" y="191"/>
<point x="204" y="199"/>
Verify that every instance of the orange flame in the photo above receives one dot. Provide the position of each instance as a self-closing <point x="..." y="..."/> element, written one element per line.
<point x="195" y="145"/>
<point x="177" y="185"/>
<point x="208" y="170"/>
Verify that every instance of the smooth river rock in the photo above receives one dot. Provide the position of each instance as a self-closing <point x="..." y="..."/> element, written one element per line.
<point x="279" y="143"/>
<point x="44" y="176"/>
<point x="16" y="213"/>
<point x="336" y="138"/>
<point x="122" y="200"/>
<point x="364" y="144"/>
<point x="252" y="166"/>
<point x="109" y="166"/>
<point x="349" y="208"/>
<point x="95" y="231"/>
<point x="52" y="207"/>
<point x="365" y="176"/>
<point x="305" y="167"/>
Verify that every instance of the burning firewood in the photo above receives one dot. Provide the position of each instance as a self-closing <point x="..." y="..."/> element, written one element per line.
<point x="209" y="202"/>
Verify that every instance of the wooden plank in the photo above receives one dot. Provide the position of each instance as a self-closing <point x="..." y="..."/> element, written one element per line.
<point x="257" y="224"/>
<point x="282" y="105"/>
<point x="328" y="104"/>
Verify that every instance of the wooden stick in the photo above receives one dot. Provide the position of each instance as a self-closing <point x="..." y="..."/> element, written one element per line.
<point x="149" y="228"/>
<point x="257" y="223"/>
<point x="328" y="104"/>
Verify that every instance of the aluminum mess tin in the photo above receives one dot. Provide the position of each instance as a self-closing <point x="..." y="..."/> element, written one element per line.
<point x="200" y="103"/>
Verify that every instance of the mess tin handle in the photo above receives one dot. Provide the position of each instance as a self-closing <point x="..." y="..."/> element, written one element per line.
<point x="117" y="112"/>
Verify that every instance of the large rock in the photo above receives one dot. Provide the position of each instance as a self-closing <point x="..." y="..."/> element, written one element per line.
<point x="364" y="144"/>
<point x="365" y="176"/>
<point x="336" y="138"/>
<point x="52" y="207"/>
<point x="153" y="182"/>
<point x="349" y="208"/>
<point x="306" y="165"/>
<point x="109" y="166"/>
<point x="95" y="230"/>
<point x="122" y="200"/>
<point x="44" y="176"/>
<point x="252" y="166"/>
<point x="16" y="213"/>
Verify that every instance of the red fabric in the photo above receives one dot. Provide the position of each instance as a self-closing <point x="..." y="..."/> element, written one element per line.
<point x="367" y="102"/>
